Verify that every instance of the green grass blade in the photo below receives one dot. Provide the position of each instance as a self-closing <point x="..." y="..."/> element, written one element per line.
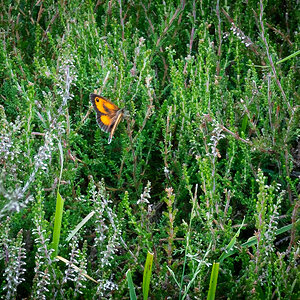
<point x="57" y="222"/>
<point x="253" y="240"/>
<point x="130" y="286"/>
<point x="213" y="281"/>
<point x="81" y="224"/>
<point x="82" y="272"/>
<point x="61" y="154"/>
<point x="288" y="57"/>
<point x="229" y="247"/>
<point x="147" y="275"/>
<point x="174" y="277"/>
<point x="59" y="207"/>
<point x="198" y="270"/>
<point x="285" y="228"/>
<point x="190" y="283"/>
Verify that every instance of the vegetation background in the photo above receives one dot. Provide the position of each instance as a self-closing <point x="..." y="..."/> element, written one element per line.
<point x="212" y="139"/>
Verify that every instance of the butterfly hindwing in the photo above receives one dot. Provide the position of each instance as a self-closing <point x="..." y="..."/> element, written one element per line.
<point x="108" y="115"/>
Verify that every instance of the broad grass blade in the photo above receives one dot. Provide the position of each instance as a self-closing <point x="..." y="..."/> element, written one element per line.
<point x="147" y="275"/>
<point x="130" y="286"/>
<point x="213" y="281"/>
<point x="59" y="207"/>
<point x="57" y="222"/>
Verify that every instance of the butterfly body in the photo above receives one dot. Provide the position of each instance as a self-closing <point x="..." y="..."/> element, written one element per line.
<point x="108" y="115"/>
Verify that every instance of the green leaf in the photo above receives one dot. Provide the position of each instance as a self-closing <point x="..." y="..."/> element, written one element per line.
<point x="81" y="224"/>
<point x="227" y="251"/>
<point x="174" y="277"/>
<point x="213" y="281"/>
<point x="147" y="275"/>
<point x="59" y="207"/>
<point x="61" y="154"/>
<point x="57" y="222"/>
<point x="244" y="123"/>
<point x="253" y="240"/>
<point x="288" y="57"/>
<point x="130" y="285"/>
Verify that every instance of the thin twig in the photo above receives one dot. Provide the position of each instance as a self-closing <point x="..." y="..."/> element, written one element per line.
<point x="121" y="19"/>
<point x="235" y="135"/>
<point x="293" y="230"/>
<point x="247" y="40"/>
<point x="270" y="57"/>
<point x="219" y="36"/>
<point x="280" y="33"/>
<point x="179" y="8"/>
<point x="50" y="23"/>
<point x="192" y="35"/>
<point x="99" y="2"/>
<point x="38" y="133"/>
<point x="270" y="109"/>
<point x="40" y="13"/>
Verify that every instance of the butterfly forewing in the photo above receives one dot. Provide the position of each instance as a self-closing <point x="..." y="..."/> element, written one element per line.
<point x="108" y="115"/>
<point x="103" y="105"/>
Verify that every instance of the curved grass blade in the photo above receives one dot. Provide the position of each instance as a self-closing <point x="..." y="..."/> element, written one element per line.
<point x="253" y="240"/>
<point x="81" y="224"/>
<point x="229" y="247"/>
<point x="77" y="269"/>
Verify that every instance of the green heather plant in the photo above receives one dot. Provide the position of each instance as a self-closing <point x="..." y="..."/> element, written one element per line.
<point x="203" y="171"/>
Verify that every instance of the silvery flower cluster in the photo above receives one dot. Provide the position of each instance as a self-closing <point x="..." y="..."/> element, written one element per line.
<point x="107" y="230"/>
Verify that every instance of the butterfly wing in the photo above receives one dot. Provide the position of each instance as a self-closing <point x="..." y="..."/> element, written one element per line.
<point x="116" y="121"/>
<point x="108" y="115"/>
<point x="105" y="110"/>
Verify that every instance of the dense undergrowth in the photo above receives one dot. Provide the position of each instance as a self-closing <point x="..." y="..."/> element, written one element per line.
<point x="211" y="138"/>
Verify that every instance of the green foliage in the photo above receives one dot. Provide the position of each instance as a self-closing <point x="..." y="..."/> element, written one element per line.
<point x="211" y="138"/>
<point x="147" y="275"/>
<point x="131" y="286"/>
<point x="213" y="281"/>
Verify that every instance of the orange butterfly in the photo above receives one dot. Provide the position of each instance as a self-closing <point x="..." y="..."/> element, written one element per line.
<point x="108" y="115"/>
